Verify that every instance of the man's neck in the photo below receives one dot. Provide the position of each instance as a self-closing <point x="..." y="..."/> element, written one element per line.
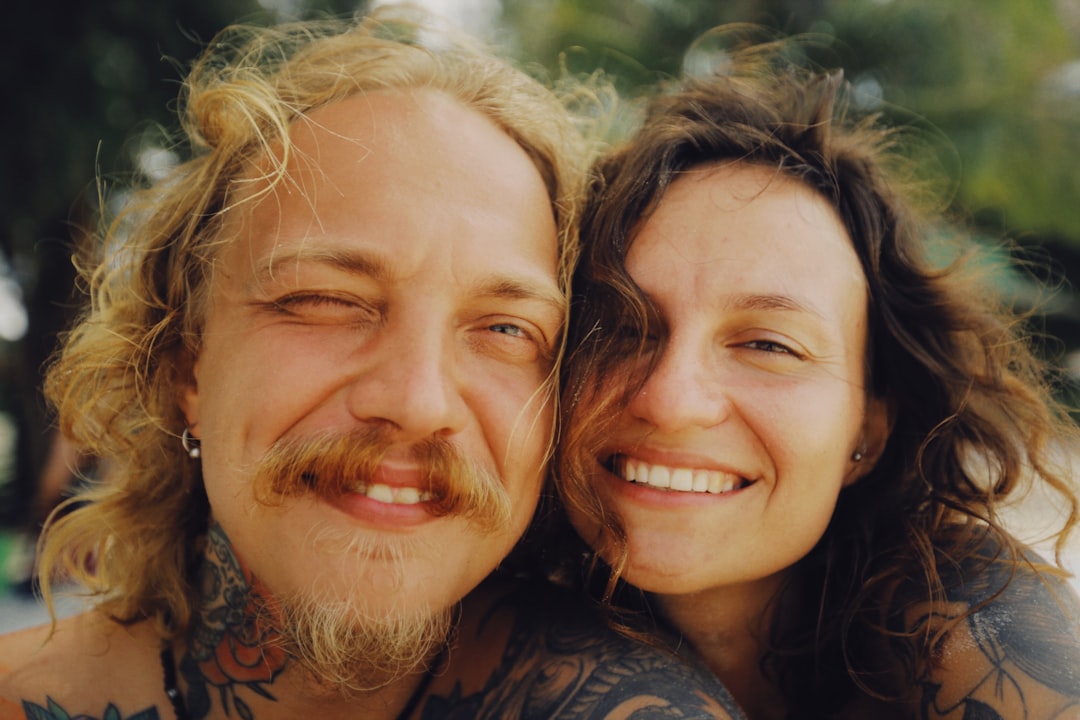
<point x="233" y="664"/>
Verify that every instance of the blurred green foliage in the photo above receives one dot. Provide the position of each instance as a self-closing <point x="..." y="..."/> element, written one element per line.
<point x="993" y="87"/>
<point x="999" y="78"/>
<point x="84" y="83"/>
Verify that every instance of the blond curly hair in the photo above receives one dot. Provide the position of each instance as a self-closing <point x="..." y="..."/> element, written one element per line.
<point x="134" y="535"/>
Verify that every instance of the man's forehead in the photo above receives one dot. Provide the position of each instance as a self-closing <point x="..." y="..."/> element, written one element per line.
<point x="388" y="122"/>
<point x="396" y="137"/>
<point x="358" y="196"/>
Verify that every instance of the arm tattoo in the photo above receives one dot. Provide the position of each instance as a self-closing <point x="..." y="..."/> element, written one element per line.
<point x="570" y="665"/>
<point x="55" y="712"/>
<point x="231" y="645"/>
<point x="1020" y="647"/>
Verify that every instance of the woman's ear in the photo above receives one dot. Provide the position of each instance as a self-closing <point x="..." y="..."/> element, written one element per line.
<point x="877" y="427"/>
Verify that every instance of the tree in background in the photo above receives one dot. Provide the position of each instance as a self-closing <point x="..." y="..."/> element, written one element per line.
<point x="994" y="85"/>
<point x="86" y="84"/>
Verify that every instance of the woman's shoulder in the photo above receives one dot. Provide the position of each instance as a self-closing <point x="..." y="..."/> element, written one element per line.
<point x="1004" y="627"/>
<point x="554" y="654"/>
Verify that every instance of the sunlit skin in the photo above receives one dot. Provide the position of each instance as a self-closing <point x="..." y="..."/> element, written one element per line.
<point x="404" y="276"/>
<point x="758" y="389"/>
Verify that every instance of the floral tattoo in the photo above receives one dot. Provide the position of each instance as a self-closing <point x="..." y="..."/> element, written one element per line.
<point x="233" y="645"/>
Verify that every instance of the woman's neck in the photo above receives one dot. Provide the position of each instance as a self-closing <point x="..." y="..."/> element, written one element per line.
<point x="728" y="627"/>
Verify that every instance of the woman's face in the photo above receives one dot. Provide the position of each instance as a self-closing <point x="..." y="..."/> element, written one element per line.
<point x="726" y="466"/>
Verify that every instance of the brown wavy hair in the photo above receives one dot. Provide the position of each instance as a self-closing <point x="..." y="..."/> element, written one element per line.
<point x="134" y="535"/>
<point x="975" y="419"/>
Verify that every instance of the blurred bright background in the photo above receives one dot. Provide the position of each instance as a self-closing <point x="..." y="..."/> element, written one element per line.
<point x="90" y="90"/>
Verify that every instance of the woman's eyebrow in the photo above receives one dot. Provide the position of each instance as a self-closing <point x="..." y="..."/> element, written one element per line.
<point x="772" y="301"/>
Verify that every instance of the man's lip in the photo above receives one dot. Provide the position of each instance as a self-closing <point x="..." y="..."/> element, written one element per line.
<point x="386" y="515"/>
<point x="392" y="494"/>
<point x="401" y="475"/>
<point x="391" y="484"/>
<point x="396" y="483"/>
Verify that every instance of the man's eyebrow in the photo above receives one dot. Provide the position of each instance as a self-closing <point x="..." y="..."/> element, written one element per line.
<point x="352" y="261"/>
<point x="511" y="288"/>
<point x="359" y="262"/>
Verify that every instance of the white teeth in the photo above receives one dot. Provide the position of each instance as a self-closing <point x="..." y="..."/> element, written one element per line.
<point x="716" y="483"/>
<point x="408" y="496"/>
<point x="391" y="495"/>
<point x="682" y="479"/>
<point x="380" y="493"/>
<point x="722" y="483"/>
<point x="677" y="479"/>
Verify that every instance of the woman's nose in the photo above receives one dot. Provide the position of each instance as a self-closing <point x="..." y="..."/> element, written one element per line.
<point x="684" y="390"/>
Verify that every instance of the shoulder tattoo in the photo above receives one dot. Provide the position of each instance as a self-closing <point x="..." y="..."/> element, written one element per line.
<point x="579" y="668"/>
<point x="52" y="711"/>
<point x="1001" y="653"/>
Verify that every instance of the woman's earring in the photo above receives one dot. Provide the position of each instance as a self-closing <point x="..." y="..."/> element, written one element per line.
<point x="191" y="444"/>
<point x="859" y="454"/>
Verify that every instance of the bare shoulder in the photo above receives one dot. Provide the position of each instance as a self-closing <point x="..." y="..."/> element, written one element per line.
<point x="1008" y="644"/>
<point x="551" y="654"/>
<point x="85" y="666"/>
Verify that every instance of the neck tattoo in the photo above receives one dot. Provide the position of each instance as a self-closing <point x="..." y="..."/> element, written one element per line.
<point x="172" y="689"/>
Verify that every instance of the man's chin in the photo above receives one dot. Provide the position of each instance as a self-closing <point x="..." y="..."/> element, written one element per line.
<point x="353" y="651"/>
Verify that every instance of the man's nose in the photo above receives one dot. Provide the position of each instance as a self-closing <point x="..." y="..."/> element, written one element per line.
<point x="411" y="382"/>
<point x="685" y="390"/>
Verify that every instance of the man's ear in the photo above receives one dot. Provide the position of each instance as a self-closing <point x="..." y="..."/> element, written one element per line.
<point x="187" y="391"/>
<point x="877" y="427"/>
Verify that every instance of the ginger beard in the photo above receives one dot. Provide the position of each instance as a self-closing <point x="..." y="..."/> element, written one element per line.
<point x="344" y="644"/>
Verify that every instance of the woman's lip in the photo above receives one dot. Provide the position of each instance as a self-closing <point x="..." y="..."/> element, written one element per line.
<point x="672" y="459"/>
<point x="677" y="478"/>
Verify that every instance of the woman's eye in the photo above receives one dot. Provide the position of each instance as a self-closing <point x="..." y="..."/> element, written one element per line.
<point x="634" y="333"/>
<point x="769" y="346"/>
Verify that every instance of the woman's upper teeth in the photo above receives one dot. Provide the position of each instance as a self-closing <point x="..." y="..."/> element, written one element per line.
<point x="677" y="478"/>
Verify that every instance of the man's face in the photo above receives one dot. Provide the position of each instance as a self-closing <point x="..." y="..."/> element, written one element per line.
<point x="399" y="283"/>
